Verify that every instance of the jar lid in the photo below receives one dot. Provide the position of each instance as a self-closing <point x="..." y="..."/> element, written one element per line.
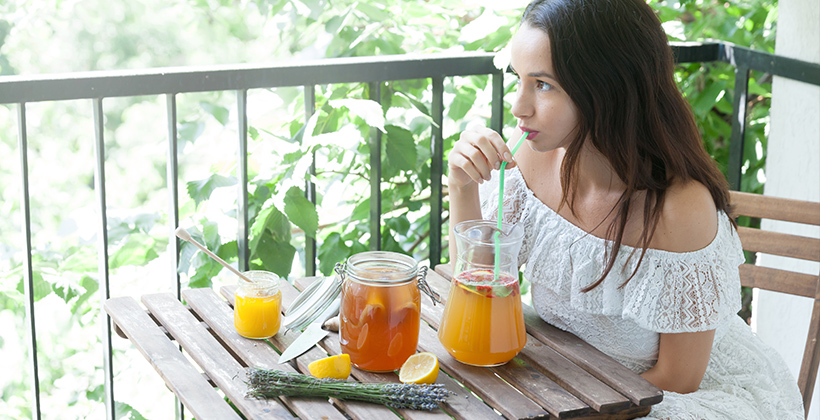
<point x="312" y="302"/>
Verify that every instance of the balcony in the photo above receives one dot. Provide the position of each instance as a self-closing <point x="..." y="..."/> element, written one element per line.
<point x="173" y="88"/>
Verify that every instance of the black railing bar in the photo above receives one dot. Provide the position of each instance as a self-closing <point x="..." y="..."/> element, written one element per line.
<point x="696" y="52"/>
<point x="159" y="81"/>
<point x="375" y="146"/>
<point x="497" y="102"/>
<point x="28" y="272"/>
<point x="102" y="255"/>
<point x="172" y="182"/>
<point x="777" y="65"/>
<point x="436" y="169"/>
<point x="242" y="173"/>
<point x="310" y="186"/>
<point x="738" y="136"/>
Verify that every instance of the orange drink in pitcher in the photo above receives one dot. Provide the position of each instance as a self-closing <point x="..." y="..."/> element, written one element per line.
<point x="483" y="322"/>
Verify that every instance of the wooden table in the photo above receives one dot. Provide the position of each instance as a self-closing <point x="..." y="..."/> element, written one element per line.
<point x="557" y="375"/>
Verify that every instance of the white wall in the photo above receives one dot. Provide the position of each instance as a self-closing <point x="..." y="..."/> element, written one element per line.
<point x="792" y="171"/>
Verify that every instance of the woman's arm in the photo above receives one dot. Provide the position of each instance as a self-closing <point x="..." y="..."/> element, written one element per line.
<point x="682" y="360"/>
<point x="688" y="223"/>
<point x="478" y="151"/>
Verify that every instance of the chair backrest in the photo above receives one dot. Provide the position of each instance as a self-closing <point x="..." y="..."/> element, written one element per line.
<point x="784" y="280"/>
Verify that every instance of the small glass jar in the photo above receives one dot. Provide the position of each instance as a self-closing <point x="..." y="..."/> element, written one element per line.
<point x="257" y="305"/>
<point x="380" y="309"/>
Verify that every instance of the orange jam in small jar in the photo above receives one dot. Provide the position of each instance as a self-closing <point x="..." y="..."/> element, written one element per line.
<point x="380" y="308"/>
<point x="257" y="309"/>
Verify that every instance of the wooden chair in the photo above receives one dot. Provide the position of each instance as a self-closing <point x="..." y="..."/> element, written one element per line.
<point x="784" y="280"/>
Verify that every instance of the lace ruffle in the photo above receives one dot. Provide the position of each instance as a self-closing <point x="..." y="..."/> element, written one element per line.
<point x="670" y="293"/>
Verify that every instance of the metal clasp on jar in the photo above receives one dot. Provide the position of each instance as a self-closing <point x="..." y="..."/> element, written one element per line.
<point x="425" y="287"/>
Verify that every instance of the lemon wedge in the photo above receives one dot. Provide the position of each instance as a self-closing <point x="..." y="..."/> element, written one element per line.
<point x="336" y="367"/>
<point x="420" y="368"/>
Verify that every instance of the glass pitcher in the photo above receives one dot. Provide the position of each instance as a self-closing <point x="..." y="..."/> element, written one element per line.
<point x="483" y="324"/>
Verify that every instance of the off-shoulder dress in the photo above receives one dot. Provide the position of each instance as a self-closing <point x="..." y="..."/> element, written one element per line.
<point x="672" y="292"/>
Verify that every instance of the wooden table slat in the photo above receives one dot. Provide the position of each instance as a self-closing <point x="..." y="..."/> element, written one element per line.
<point x="542" y="390"/>
<point x="216" y="312"/>
<point x="180" y="376"/>
<point x="211" y="356"/>
<point x="639" y="391"/>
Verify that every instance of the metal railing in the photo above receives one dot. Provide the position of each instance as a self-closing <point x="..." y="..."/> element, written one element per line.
<point x="96" y="86"/>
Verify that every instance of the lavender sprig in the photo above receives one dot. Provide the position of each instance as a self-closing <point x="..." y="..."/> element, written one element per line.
<point x="263" y="383"/>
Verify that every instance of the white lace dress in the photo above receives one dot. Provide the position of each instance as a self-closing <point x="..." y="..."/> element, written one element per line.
<point x="671" y="293"/>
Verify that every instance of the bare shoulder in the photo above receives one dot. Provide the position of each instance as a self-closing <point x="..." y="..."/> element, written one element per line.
<point x="688" y="220"/>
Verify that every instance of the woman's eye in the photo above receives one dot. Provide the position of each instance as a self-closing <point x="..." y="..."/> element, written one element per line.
<point x="543" y="85"/>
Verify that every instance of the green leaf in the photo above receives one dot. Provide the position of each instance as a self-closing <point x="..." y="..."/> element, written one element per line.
<point x="706" y="100"/>
<point x="276" y="256"/>
<point x="398" y="224"/>
<point x="301" y="212"/>
<point x="201" y="190"/>
<point x="42" y="288"/>
<point x="219" y="112"/>
<point x="462" y="103"/>
<point x="189" y="131"/>
<point x="66" y="287"/>
<point x="137" y="250"/>
<point x="368" y="110"/>
<point x="126" y="412"/>
<point x="331" y="251"/>
<point x="401" y="148"/>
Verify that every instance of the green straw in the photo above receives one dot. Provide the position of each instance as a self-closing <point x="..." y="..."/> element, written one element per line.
<point x="501" y="204"/>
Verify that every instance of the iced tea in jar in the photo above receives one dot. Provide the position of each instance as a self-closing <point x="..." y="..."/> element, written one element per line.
<point x="379" y="314"/>
<point x="483" y="323"/>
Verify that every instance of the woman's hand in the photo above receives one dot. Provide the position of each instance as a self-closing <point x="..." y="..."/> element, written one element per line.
<point x="478" y="151"/>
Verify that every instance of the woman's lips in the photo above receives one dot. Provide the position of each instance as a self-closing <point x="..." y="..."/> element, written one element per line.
<point x="532" y="133"/>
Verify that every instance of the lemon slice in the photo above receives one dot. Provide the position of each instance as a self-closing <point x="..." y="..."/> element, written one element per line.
<point x="336" y="367"/>
<point x="420" y="368"/>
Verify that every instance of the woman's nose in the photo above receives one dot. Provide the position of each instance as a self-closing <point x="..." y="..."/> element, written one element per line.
<point x="522" y="106"/>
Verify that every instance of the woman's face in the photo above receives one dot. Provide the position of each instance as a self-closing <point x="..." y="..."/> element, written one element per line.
<point x="542" y="106"/>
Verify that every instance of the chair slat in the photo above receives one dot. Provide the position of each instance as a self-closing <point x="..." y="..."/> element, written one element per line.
<point x="775" y="208"/>
<point x="777" y="280"/>
<point x="776" y="243"/>
<point x="807" y="377"/>
<point x="781" y="279"/>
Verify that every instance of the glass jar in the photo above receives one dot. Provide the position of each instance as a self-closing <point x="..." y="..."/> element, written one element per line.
<point x="257" y="305"/>
<point x="483" y="324"/>
<point x="380" y="309"/>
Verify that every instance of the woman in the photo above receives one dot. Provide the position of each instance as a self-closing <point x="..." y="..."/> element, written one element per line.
<point x="628" y="241"/>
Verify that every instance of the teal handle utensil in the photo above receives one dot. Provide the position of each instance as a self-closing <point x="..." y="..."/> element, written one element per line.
<point x="501" y="204"/>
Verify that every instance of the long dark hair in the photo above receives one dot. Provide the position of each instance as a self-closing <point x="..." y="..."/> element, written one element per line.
<point x="613" y="60"/>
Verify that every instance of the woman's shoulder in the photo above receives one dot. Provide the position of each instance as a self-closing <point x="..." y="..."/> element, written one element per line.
<point x="689" y="218"/>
